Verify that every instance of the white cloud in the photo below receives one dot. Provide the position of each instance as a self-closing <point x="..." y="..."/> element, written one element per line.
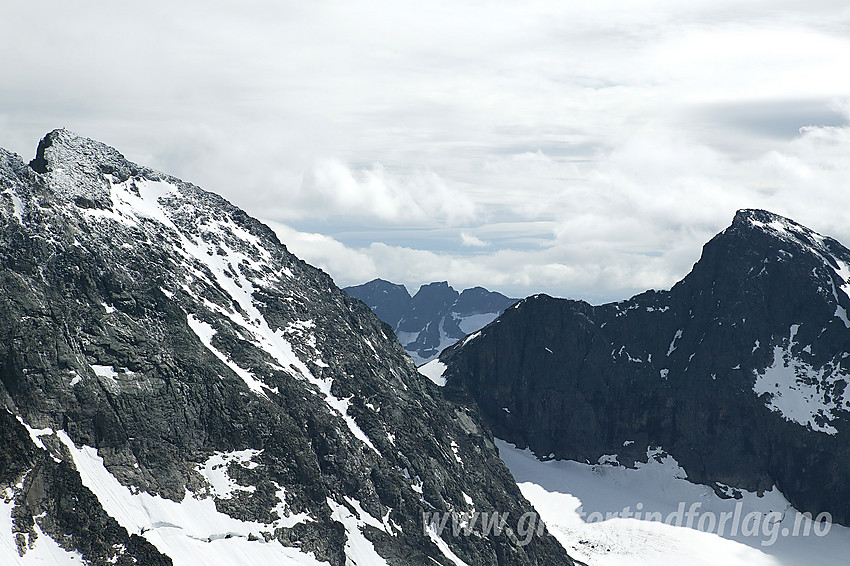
<point x="334" y="189"/>
<point x="347" y="265"/>
<point x="593" y="146"/>
<point x="634" y="218"/>
<point x="470" y="241"/>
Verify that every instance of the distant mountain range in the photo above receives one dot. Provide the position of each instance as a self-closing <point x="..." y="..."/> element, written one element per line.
<point x="435" y="317"/>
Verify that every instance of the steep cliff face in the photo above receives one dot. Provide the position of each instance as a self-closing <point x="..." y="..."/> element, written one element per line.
<point x="204" y="397"/>
<point x="740" y="371"/>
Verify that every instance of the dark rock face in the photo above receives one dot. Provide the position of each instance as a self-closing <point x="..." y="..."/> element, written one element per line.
<point x="436" y="317"/>
<point x="158" y="324"/>
<point x="387" y="300"/>
<point x="740" y="371"/>
<point x="478" y="300"/>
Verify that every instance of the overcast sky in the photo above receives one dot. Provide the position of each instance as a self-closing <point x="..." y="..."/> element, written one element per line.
<point x="586" y="150"/>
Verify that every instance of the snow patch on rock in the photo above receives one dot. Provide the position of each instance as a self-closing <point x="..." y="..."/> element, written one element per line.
<point x="434" y="371"/>
<point x="799" y="392"/>
<point x="192" y="532"/>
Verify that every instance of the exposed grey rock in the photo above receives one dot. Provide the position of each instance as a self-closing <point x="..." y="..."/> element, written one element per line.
<point x="163" y="326"/>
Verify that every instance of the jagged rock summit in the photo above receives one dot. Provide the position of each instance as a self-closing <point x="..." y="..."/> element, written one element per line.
<point x="79" y="169"/>
<point x="387" y="300"/>
<point x="178" y="388"/>
<point x="739" y="372"/>
<point x="433" y="319"/>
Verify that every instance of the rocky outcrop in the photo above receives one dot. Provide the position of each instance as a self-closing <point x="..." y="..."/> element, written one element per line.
<point x="167" y="364"/>
<point x="740" y="371"/>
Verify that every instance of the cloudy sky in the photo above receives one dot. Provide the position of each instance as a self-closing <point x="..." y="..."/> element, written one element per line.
<point x="586" y="150"/>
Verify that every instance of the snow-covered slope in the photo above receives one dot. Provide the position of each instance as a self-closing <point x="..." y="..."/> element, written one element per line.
<point x="609" y="515"/>
<point x="179" y="388"/>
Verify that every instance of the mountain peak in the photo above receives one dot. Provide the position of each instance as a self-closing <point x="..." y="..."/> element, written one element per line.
<point x="769" y="222"/>
<point x="760" y="215"/>
<point x="384" y="284"/>
<point x="77" y="168"/>
<point x="742" y="364"/>
<point x="782" y="228"/>
<point x="436" y="286"/>
<point x="792" y="237"/>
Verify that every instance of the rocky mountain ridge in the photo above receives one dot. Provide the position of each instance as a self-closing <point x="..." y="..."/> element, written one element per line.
<point x="739" y="371"/>
<point x="179" y="388"/>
